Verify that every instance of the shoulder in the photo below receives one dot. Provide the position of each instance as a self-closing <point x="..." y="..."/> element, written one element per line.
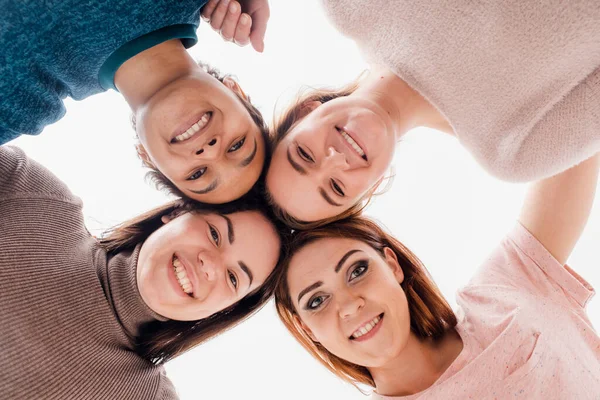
<point x="521" y="269"/>
<point x="22" y="177"/>
<point x="166" y="390"/>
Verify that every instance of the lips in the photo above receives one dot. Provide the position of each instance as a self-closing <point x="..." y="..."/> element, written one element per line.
<point x="355" y="149"/>
<point x="355" y="146"/>
<point x="192" y="127"/>
<point x="367" y="329"/>
<point x="182" y="277"/>
<point x="186" y="277"/>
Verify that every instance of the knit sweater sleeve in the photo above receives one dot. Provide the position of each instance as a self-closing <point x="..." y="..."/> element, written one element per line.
<point x="21" y="176"/>
<point x="565" y="135"/>
<point x="166" y="390"/>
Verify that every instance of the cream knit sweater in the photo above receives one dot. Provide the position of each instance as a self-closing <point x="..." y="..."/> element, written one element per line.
<point x="518" y="80"/>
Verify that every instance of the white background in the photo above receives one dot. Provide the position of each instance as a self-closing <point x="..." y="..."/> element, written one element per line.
<point x="441" y="204"/>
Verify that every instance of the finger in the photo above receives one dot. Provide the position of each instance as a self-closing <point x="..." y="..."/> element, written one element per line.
<point x="242" y="31"/>
<point x="231" y="20"/>
<point x="259" y="28"/>
<point x="217" y="17"/>
<point x="208" y="9"/>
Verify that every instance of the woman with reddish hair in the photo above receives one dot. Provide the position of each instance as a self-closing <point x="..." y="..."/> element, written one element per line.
<point x="365" y="307"/>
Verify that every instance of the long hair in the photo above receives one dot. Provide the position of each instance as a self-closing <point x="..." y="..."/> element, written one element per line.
<point x="430" y="314"/>
<point x="285" y="122"/>
<point x="160" y="341"/>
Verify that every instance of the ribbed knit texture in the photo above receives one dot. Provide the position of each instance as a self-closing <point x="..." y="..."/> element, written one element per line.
<point x="54" y="49"/>
<point x="69" y="314"/>
<point x="519" y="81"/>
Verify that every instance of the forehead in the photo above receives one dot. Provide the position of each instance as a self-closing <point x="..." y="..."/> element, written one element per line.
<point x="256" y="242"/>
<point x="318" y="260"/>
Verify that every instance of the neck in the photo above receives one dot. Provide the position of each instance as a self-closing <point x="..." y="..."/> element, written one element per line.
<point x="419" y="365"/>
<point x="140" y="77"/>
<point x="118" y="276"/>
<point x="407" y="108"/>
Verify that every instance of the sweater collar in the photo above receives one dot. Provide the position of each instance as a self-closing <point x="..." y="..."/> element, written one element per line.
<point x="120" y="285"/>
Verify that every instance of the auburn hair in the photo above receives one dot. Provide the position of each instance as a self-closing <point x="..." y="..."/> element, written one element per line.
<point x="160" y="341"/>
<point x="430" y="314"/>
<point x="285" y="122"/>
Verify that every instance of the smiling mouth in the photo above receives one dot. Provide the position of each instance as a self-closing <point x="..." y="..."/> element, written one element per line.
<point x="194" y="128"/>
<point x="182" y="278"/>
<point x="366" y="328"/>
<point x="361" y="153"/>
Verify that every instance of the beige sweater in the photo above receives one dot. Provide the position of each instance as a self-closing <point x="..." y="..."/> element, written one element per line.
<point x="518" y="80"/>
<point x="69" y="313"/>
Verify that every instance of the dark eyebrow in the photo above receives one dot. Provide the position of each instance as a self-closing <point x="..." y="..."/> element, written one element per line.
<point x="207" y="189"/>
<point x="327" y="198"/>
<point x="343" y="260"/>
<point x="295" y="165"/>
<point x="245" y="268"/>
<point x="308" y="289"/>
<point x="246" y="161"/>
<point x="230" y="232"/>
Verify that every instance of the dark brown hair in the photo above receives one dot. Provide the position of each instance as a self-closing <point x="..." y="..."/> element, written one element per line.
<point x="430" y="314"/>
<point x="283" y="124"/>
<point x="163" y="183"/>
<point x="160" y="341"/>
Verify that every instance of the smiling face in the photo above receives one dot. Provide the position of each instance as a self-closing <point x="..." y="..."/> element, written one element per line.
<point x="348" y="298"/>
<point x="331" y="158"/>
<point x="198" y="264"/>
<point x="198" y="133"/>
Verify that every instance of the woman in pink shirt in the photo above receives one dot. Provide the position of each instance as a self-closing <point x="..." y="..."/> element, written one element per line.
<point x="364" y="306"/>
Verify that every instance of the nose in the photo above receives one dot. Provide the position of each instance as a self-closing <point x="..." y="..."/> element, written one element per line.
<point x="334" y="160"/>
<point x="210" y="266"/>
<point x="210" y="150"/>
<point x="349" y="304"/>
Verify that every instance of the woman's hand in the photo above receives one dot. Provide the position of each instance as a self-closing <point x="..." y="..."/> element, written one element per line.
<point x="243" y="21"/>
<point x="556" y="209"/>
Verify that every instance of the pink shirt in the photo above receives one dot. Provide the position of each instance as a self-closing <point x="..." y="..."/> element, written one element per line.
<point x="524" y="328"/>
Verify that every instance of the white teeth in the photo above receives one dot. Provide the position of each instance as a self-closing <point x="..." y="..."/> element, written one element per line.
<point x="181" y="276"/>
<point x="196" y="127"/>
<point x="366" y="328"/>
<point x="352" y="143"/>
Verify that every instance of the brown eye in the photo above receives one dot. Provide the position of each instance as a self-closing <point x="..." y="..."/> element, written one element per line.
<point x="237" y="145"/>
<point x="337" y="189"/>
<point x="233" y="279"/>
<point x="197" y="174"/>
<point x="215" y="235"/>
<point x="304" y="155"/>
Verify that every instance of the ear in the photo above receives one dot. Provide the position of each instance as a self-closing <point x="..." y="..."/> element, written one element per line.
<point x="305" y="328"/>
<point x="307" y="107"/>
<point x="392" y="262"/>
<point x="235" y="87"/>
<point x="172" y="215"/>
<point x="141" y="151"/>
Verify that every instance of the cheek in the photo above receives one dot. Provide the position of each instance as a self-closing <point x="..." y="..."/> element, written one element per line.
<point x="360" y="182"/>
<point x="326" y="330"/>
